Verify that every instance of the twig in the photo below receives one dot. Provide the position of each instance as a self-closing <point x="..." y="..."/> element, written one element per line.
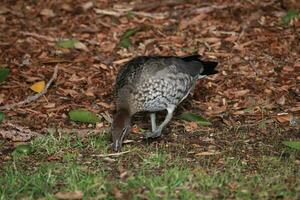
<point x="52" y="39"/>
<point x="152" y="5"/>
<point x="120" y="13"/>
<point x="34" y="97"/>
<point x="107" y="117"/>
<point x="208" y="9"/>
<point x="80" y="132"/>
<point x="36" y="35"/>
<point x="151" y="15"/>
<point x="16" y="133"/>
<point x="111" y="154"/>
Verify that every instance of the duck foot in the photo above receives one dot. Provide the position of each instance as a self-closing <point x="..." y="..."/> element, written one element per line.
<point x="154" y="134"/>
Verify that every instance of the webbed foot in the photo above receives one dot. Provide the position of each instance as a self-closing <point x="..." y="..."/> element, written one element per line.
<point x="153" y="134"/>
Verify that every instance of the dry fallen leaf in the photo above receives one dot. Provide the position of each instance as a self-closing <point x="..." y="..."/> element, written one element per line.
<point x="49" y="105"/>
<point x="195" y="20"/>
<point x="135" y="129"/>
<point x="281" y="100"/>
<point x="80" y="46"/>
<point x="240" y="93"/>
<point x="69" y="195"/>
<point x="38" y="86"/>
<point x="191" y="126"/>
<point x="87" y="5"/>
<point x="282" y="118"/>
<point x="117" y="193"/>
<point x="1" y="98"/>
<point x="207" y="153"/>
<point x="47" y="12"/>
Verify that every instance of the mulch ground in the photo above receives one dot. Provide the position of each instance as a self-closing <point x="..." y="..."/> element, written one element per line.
<point x="257" y="86"/>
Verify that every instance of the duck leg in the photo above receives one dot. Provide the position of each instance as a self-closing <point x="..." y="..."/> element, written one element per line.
<point x="153" y="121"/>
<point x="157" y="131"/>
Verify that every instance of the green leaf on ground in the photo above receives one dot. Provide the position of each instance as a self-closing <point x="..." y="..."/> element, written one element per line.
<point x="1" y="116"/>
<point x="292" y="144"/>
<point x="194" y="117"/>
<point x="290" y="15"/>
<point x="68" y="44"/>
<point x="85" y="116"/>
<point x="130" y="14"/>
<point x="125" y="39"/>
<point x="4" y="72"/>
<point x="22" y="149"/>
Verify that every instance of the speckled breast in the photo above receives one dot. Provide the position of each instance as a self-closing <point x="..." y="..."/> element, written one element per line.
<point x="157" y="93"/>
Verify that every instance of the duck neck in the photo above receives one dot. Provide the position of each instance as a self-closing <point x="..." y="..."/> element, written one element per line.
<point x="122" y="115"/>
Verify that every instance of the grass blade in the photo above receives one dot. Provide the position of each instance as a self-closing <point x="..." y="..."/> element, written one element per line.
<point x="4" y="72"/>
<point x="1" y="116"/>
<point x="194" y="117"/>
<point x="292" y="144"/>
<point x="125" y="39"/>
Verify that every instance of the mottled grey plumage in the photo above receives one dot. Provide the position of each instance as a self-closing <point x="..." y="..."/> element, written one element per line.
<point x="157" y="83"/>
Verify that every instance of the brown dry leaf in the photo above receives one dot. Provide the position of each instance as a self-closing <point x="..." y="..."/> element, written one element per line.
<point x="295" y="108"/>
<point x="4" y="10"/>
<point x="105" y="105"/>
<point x="89" y="93"/>
<point x="240" y="93"/>
<point x="282" y="118"/>
<point x="135" y="129"/>
<point x="16" y="133"/>
<point x="66" y="7"/>
<point x="184" y="23"/>
<point x="241" y="47"/>
<point x="207" y="153"/>
<point x="215" y="110"/>
<point x="75" y="78"/>
<point x="123" y="175"/>
<point x="117" y="193"/>
<point x="103" y="66"/>
<point x="233" y="186"/>
<point x="50" y="105"/>
<point x="47" y="12"/>
<point x="109" y="46"/>
<point x="297" y="64"/>
<point x="288" y="69"/>
<point x="124" y="60"/>
<point x="211" y="40"/>
<point x="1" y="98"/>
<point x="128" y="141"/>
<point x="80" y="46"/>
<point x="72" y="93"/>
<point x="191" y="126"/>
<point x="69" y="195"/>
<point x="87" y="5"/>
<point x="281" y="100"/>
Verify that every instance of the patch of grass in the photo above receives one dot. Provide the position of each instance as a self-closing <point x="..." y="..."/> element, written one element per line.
<point x="51" y="144"/>
<point x="48" y="178"/>
<point x="268" y="182"/>
<point x="153" y="173"/>
<point x="170" y="184"/>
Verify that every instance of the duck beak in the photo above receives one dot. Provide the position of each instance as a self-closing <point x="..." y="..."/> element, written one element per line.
<point x="116" y="146"/>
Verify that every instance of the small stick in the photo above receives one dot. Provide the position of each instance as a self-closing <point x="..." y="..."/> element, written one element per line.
<point x="32" y="98"/>
<point x="36" y="35"/>
<point x="122" y="13"/>
<point x="52" y="39"/>
<point x="111" y="154"/>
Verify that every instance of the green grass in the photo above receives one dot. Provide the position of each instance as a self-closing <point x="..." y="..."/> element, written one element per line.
<point x="62" y="163"/>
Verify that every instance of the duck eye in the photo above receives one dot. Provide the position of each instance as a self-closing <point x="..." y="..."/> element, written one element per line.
<point x="124" y="130"/>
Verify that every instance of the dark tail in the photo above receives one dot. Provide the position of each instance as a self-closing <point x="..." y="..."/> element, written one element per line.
<point x="209" y="66"/>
